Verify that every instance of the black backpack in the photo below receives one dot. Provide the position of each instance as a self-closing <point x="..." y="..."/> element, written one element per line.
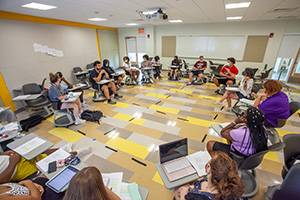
<point x="92" y="115"/>
<point x="30" y="122"/>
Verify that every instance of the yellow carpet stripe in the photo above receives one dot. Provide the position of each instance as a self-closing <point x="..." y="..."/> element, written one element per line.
<point x="157" y="178"/>
<point x="209" y="97"/>
<point x="184" y="91"/>
<point x="145" y="88"/>
<point x="129" y="147"/>
<point x="175" y="83"/>
<point x="200" y="122"/>
<point x="66" y="134"/>
<point x="125" y="117"/>
<point x="91" y="94"/>
<point x="272" y="156"/>
<point x="156" y="95"/>
<point x="164" y="109"/>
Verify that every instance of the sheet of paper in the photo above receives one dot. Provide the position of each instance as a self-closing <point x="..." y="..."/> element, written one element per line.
<point x="223" y="125"/>
<point x="12" y="126"/>
<point x="29" y="146"/>
<point x="134" y="191"/>
<point x="37" y="47"/>
<point x="115" y="180"/>
<point x="247" y="101"/>
<point x="124" y="192"/>
<point x="21" y="97"/>
<point x="199" y="160"/>
<point x="44" y="49"/>
<point x="57" y="155"/>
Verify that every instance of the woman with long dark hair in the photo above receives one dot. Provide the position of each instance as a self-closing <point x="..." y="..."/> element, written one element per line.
<point x="246" y="135"/>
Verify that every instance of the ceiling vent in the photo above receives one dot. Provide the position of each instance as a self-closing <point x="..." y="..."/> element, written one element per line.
<point x="286" y="17"/>
<point x="276" y="10"/>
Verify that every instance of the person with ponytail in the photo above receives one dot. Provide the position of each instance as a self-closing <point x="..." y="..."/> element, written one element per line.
<point x="245" y="136"/>
<point x="88" y="184"/>
<point x="221" y="183"/>
<point x="56" y="95"/>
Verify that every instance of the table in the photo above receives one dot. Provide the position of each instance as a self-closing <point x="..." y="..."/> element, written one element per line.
<point x="176" y="183"/>
<point x="232" y="89"/>
<point x="174" y="67"/>
<point x="35" y="152"/>
<point x="72" y="96"/>
<point x="117" y="73"/>
<point x="81" y="73"/>
<point x="217" y="128"/>
<point x="77" y="86"/>
<point x="26" y="97"/>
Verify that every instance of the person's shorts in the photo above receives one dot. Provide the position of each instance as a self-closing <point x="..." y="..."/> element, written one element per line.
<point x="224" y="81"/>
<point x="219" y="146"/>
<point x="240" y="95"/>
<point x="148" y="71"/>
<point x="116" y="78"/>
<point x="196" y="73"/>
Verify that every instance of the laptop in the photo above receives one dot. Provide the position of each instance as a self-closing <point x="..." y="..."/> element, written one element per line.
<point x="173" y="159"/>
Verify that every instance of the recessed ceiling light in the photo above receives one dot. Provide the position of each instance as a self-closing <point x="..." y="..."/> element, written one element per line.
<point x="237" y="5"/>
<point x="38" y="6"/>
<point x="233" y="18"/>
<point x="97" y="19"/>
<point x="131" y="24"/>
<point x="149" y="12"/>
<point x="175" y="21"/>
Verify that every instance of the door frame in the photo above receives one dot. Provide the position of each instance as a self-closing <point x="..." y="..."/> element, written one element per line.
<point x="136" y="52"/>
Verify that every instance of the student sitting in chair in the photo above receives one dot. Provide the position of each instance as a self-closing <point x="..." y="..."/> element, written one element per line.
<point x="222" y="181"/>
<point x="275" y="105"/>
<point x="245" y="87"/>
<point x="130" y="70"/>
<point x="227" y="74"/>
<point x="98" y="74"/>
<point x="67" y="85"/>
<point x="157" y="65"/>
<point x="200" y="65"/>
<point x="56" y="94"/>
<point x="175" y="63"/>
<point x="245" y="136"/>
<point x="147" y="68"/>
<point x="110" y="71"/>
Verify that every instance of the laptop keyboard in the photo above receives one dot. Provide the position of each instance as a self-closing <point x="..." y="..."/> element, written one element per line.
<point x="177" y="165"/>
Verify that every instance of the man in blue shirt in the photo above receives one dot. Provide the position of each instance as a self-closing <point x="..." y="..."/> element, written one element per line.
<point x="99" y="74"/>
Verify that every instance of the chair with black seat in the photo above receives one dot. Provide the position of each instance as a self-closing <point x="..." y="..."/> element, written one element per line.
<point x="272" y="133"/>
<point x="186" y="72"/>
<point x="40" y="105"/>
<point x="90" y="67"/>
<point x="62" y="118"/>
<point x="245" y="165"/>
<point x="263" y="76"/>
<point x="81" y="77"/>
<point x="254" y="71"/>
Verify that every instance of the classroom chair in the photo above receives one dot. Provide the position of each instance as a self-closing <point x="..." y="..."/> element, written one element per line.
<point x="263" y="76"/>
<point x="81" y="78"/>
<point x="62" y="118"/>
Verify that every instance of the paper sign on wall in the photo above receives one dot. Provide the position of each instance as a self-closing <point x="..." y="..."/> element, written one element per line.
<point x="47" y="50"/>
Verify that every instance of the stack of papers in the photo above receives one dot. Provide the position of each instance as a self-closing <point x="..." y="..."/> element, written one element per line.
<point x="55" y="156"/>
<point x="29" y="146"/>
<point x="130" y="191"/>
<point x="199" y="160"/>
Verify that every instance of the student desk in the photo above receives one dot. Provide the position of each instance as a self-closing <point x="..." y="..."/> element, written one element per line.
<point x="103" y="82"/>
<point x="36" y="151"/>
<point x="77" y="86"/>
<point x="71" y="97"/>
<point x="81" y="73"/>
<point x="175" y="183"/>
<point x="26" y="97"/>
<point x="2" y="109"/>
<point x="217" y="128"/>
<point x="11" y="135"/>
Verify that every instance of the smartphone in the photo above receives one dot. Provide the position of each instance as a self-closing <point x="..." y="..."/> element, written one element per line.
<point x="52" y="167"/>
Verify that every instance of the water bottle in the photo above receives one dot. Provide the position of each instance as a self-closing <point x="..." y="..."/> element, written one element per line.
<point x="266" y="66"/>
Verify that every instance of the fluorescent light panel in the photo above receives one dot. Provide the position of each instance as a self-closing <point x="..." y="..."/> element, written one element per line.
<point x="234" y="18"/>
<point x="175" y="21"/>
<point x="237" y="5"/>
<point x="97" y="19"/>
<point x="132" y="24"/>
<point x="38" y="6"/>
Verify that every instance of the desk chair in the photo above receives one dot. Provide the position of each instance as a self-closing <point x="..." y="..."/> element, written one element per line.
<point x="128" y="78"/>
<point x="245" y="165"/>
<point x="81" y="78"/>
<point x="41" y="105"/>
<point x="272" y="133"/>
<point x="90" y="67"/>
<point x="263" y="76"/>
<point x="215" y="70"/>
<point x="186" y="72"/>
<point x="62" y="118"/>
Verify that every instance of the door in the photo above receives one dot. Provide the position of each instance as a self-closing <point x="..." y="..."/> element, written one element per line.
<point x="295" y="75"/>
<point x="131" y="48"/>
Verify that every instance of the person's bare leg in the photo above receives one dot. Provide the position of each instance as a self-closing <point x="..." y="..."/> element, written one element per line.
<point x="176" y="70"/>
<point x="113" y="87"/>
<point x="191" y="76"/>
<point x="133" y="74"/>
<point x="216" y="81"/>
<point x="105" y="90"/>
<point x="224" y="96"/>
<point x="229" y="83"/>
<point x="209" y="147"/>
<point x="199" y="77"/>
<point x="73" y="106"/>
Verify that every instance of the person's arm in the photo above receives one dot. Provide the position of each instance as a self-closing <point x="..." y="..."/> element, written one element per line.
<point x="14" y="159"/>
<point x="98" y="78"/>
<point x="222" y="71"/>
<point x="259" y="99"/>
<point x="105" y="74"/>
<point x="225" y="132"/>
<point x="205" y="66"/>
<point x="67" y="82"/>
<point x="111" y="194"/>
<point x="231" y="75"/>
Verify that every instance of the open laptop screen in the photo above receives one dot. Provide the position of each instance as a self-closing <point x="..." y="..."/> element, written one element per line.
<point x="173" y="150"/>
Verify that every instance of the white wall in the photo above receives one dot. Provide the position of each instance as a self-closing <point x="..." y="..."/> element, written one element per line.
<point x="232" y="28"/>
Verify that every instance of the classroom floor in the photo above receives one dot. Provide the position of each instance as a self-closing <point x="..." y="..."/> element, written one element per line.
<point x="149" y="115"/>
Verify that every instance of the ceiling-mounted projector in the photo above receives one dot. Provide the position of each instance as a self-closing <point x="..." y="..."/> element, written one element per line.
<point x="159" y="15"/>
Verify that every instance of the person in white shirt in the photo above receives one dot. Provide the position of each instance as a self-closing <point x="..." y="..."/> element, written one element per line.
<point x="130" y="70"/>
<point x="245" y="88"/>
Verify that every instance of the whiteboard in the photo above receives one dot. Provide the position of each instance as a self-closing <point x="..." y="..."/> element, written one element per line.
<point x="217" y="47"/>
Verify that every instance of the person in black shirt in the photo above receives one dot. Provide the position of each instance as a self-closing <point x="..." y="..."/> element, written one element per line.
<point x="110" y="71"/>
<point x="175" y="62"/>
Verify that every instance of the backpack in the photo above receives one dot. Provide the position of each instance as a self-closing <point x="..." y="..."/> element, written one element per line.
<point x="92" y="115"/>
<point x="30" y="122"/>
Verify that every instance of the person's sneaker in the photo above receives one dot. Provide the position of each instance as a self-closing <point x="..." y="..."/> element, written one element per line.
<point x="83" y="151"/>
<point x="218" y="103"/>
<point x="189" y="84"/>
<point x="117" y="96"/>
<point x="151" y="81"/>
<point x="217" y="91"/>
<point x="67" y="147"/>
<point x="122" y="83"/>
<point x="84" y="105"/>
<point x="111" y="102"/>
<point x="79" y="121"/>
<point x="228" y="109"/>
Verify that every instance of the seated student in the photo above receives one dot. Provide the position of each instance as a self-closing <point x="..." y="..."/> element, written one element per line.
<point x="99" y="74"/>
<point x="14" y="168"/>
<point x="201" y="65"/>
<point x="147" y="68"/>
<point x="228" y="71"/>
<point x="56" y="94"/>
<point x="67" y="85"/>
<point x="222" y="181"/>
<point x="133" y="71"/>
<point x="245" y="87"/>
<point x="245" y="136"/>
<point x="88" y="184"/>
<point x="157" y="65"/>
<point x="8" y="116"/>
<point x="110" y="71"/>
<point x="174" y="62"/>
<point x="276" y="105"/>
